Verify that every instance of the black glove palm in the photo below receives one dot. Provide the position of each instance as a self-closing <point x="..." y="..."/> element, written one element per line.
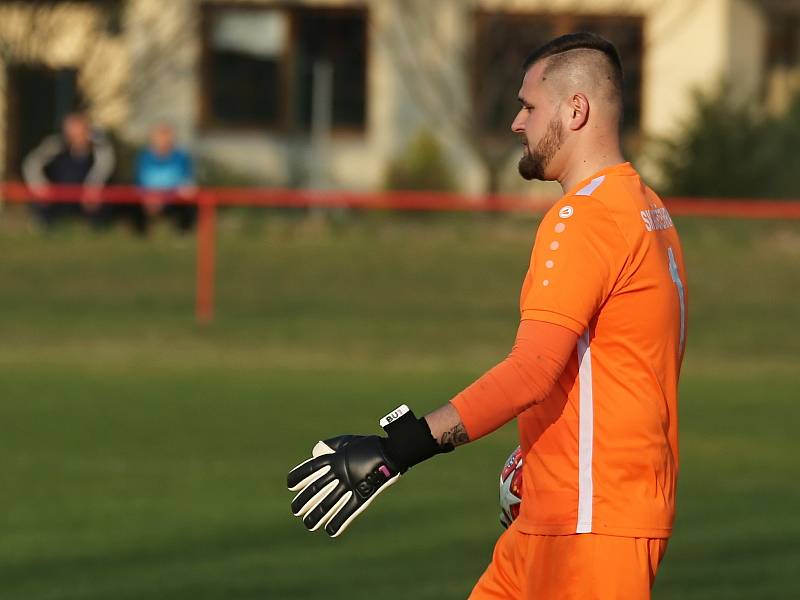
<point x="340" y="481"/>
<point x="346" y="473"/>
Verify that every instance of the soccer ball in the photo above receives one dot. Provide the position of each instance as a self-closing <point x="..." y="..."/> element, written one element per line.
<point x="511" y="488"/>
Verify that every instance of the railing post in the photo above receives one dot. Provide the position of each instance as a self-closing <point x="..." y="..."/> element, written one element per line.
<point x="206" y="234"/>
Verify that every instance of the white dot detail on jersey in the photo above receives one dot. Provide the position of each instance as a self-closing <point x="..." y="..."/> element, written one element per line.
<point x="566" y="212"/>
<point x="560" y="227"/>
<point x="554" y="245"/>
<point x="549" y="264"/>
<point x="546" y="282"/>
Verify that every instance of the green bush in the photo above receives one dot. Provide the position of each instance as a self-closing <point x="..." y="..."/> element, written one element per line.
<point x="422" y="166"/>
<point x="732" y="150"/>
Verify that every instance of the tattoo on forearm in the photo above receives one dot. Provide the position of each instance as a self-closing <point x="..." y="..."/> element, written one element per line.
<point x="456" y="436"/>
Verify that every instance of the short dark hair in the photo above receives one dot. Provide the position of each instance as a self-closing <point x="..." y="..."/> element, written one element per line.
<point x="583" y="40"/>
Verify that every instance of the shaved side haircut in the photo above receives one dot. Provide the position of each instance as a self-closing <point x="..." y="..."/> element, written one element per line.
<point x="583" y="55"/>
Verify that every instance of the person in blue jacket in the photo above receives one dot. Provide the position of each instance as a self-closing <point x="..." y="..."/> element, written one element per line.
<point x="166" y="175"/>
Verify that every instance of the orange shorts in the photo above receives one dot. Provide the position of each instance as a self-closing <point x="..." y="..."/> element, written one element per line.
<point x="583" y="566"/>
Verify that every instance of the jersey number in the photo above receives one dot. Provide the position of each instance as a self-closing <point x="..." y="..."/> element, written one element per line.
<point x="676" y="279"/>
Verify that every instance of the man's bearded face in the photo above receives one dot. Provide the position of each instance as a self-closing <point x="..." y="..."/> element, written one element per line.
<point x="533" y="163"/>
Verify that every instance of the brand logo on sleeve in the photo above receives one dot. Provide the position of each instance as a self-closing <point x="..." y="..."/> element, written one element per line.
<point x="566" y="212"/>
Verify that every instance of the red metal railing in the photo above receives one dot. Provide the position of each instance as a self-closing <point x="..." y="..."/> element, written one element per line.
<point x="208" y="199"/>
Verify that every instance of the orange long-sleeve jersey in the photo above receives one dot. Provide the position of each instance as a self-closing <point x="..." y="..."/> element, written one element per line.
<point x="598" y="427"/>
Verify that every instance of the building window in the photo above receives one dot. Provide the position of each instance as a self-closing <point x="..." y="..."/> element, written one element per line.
<point x="782" y="73"/>
<point x="503" y="40"/>
<point x="244" y="66"/>
<point x="258" y="66"/>
<point x="783" y="40"/>
<point x="339" y="40"/>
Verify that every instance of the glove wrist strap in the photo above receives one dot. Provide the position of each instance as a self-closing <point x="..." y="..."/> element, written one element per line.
<point x="410" y="439"/>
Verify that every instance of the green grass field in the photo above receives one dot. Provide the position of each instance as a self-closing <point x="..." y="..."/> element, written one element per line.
<point x="144" y="457"/>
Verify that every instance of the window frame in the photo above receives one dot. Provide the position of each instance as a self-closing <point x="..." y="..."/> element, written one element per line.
<point x="286" y="123"/>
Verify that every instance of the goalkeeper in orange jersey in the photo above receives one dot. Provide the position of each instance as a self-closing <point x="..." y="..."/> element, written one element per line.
<point x="592" y="378"/>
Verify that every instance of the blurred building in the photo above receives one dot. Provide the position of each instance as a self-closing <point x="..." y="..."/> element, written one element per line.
<point x="328" y="92"/>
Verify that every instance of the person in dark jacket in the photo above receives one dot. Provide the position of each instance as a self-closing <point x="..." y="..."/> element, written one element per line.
<point x="78" y="156"/>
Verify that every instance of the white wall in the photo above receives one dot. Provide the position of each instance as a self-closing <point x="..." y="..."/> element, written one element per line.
<point x="694" y="46"/>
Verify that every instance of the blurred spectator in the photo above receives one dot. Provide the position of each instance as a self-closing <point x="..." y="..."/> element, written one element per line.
<point x="166" y="173"/>
<point x="77" y="156"/>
